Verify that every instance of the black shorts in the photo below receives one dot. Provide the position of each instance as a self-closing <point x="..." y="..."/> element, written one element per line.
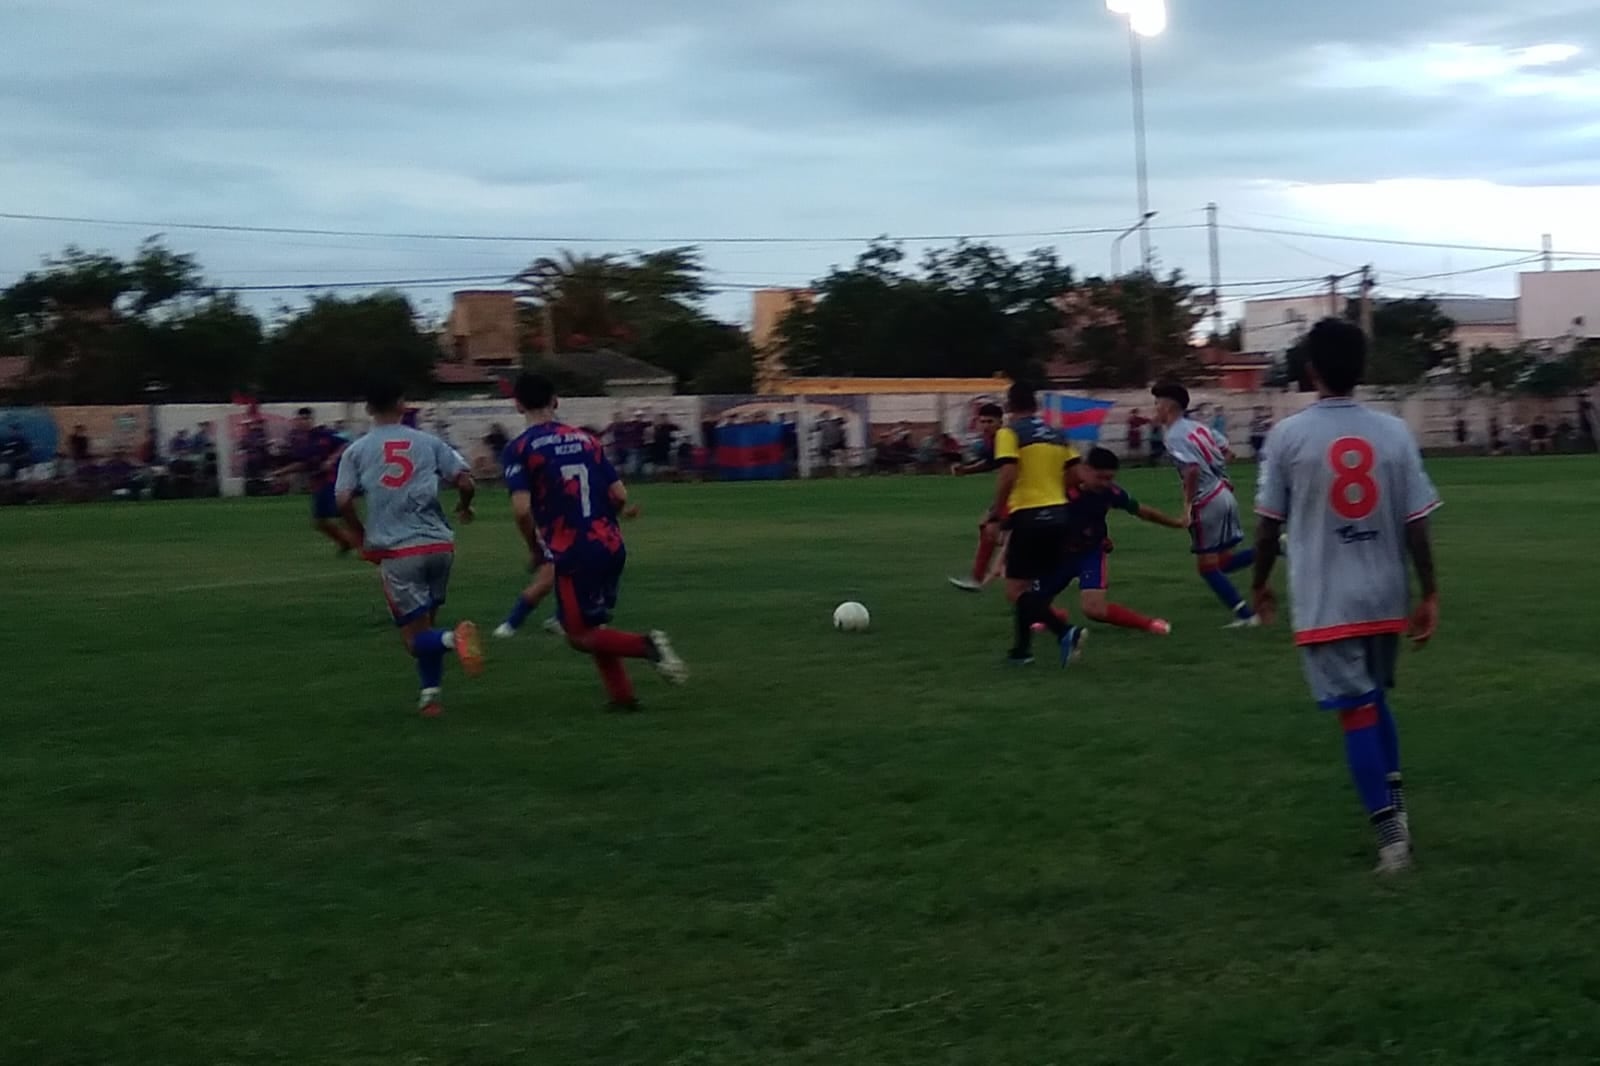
<point x="1038" y="543"/>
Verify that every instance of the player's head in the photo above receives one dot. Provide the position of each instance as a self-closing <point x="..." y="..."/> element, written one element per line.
<point x="990" y="415"/>
<point x="1336" y="356"/>
<point x="1099" y="469"/>
<point x="385" y="399"/>
<point x="534" y="392"/>
<point x="1172" y="402"/>
<point x="303" y="416"/>
<point x="1022" y="400"/>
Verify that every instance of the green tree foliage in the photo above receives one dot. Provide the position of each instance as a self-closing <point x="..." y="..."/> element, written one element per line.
<point x="1409" y="338"/>
<point x="335" y="347"/>
<point x="1498" y="369"/>
<point x="973" y="311"/>
<point x="647" y="305"/>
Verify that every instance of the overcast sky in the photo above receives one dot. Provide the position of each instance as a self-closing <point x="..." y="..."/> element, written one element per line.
<point x="1467" y="121"/>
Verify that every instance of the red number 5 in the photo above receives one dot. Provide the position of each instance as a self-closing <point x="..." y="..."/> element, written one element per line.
<point x="398" y="467"/>
<point x="1355" y="492"/>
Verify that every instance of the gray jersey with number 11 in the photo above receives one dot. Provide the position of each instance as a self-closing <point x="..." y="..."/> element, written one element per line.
<point x="1348" y="481"/>
<point x="400" y="471"/>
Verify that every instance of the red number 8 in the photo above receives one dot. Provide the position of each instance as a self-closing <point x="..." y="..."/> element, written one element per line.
<point x="1354" y="494"/>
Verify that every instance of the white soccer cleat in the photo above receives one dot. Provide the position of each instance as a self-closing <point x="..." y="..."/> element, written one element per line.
<point x="966" y="584"/>
<point x="428" y="704"/>
<point x="504" y="631"/>
<point x="668" y="663"/>
<point x="1393" y="859"/>
<point x="1253" y="622"/>
<point x="553" y="625"/>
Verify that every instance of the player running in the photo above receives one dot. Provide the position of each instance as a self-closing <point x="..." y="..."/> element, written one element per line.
<point x="1031" y="501"/>
<point x="1092" y="494"/>
<point x="567" y="498"/>
<point x="400" y="471"/>
<point x="991" y="540"/>
<point x="1351" y="486"/>
<point x="1208" y="502"/>
<point x="316" y="451"/>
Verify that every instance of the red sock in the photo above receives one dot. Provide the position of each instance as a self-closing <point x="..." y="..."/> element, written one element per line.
<point x="1118" y="615"/>
<point x="980" y="563"/>
<point x="1061" y="615"/>
<point x="614" y="642"/>
<point x="619" y="687"/>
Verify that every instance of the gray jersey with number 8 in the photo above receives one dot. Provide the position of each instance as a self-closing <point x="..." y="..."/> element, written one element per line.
<point x="1347" y="480"/>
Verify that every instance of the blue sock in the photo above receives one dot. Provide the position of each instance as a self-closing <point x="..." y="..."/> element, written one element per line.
<point x="428" y="647"/>
<point x="1391" y="739"/>
<point x="429" y="642"/>
<point x="1239" y="561"/>
<point x="519" y="613"/>
<point x="1227" y="593"/>
<point x="1363" y="749"/>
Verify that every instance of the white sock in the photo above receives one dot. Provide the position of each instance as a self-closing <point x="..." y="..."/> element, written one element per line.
<point x="449" y="640"/>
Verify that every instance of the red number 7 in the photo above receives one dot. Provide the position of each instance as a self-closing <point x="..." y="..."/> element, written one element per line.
<point x="398" y="466"/>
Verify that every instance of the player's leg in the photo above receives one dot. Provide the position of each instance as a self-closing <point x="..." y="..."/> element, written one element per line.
<point x="587" y="596"/>
<point x="1342" y="678"/>
<point x="1215" y="532"/>
<point x="528" y="600"/>
<point x="1383" y="654"/>
<point x="411" y="603"/>
<point x="988" y="543"/>
<point x="1035" y="575"/>
<point x="325" y="519"/>
<point x="1094" y="577"/>
<point x="465" y="642"/>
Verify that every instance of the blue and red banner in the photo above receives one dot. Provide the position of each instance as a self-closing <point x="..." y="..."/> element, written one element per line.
<point x="751" y="451"/>
<point x="1080" y="418"/>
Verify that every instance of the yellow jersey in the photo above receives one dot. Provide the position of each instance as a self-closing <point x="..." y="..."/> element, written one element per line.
<point x="1041" y="454"/>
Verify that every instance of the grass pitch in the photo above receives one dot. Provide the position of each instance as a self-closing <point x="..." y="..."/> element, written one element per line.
<point x="226" y="837"/>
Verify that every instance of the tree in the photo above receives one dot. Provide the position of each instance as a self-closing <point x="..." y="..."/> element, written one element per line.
<point x="335" y="347"/>
<point x="1498" y="369"/>
<point x="1132" y="330"/>
<point x="1409" y="338"/>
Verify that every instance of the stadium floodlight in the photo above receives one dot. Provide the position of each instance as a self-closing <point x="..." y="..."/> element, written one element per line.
<point x="1146" y="18"/>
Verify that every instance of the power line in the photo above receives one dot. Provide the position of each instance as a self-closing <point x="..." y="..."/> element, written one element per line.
<point x="303" y="231"/>
<point x="1395" y="241"/>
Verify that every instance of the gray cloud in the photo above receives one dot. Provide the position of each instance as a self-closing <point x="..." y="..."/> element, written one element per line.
<point x="644" y="119"/>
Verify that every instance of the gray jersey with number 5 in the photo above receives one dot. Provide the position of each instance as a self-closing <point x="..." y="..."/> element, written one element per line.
<point x="400" y="471"/>
<point x="1348" y="481"/>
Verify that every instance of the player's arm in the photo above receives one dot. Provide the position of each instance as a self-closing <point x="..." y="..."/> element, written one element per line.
<point x="1149" y="514"/>
<point x="466" y="492"/>
<point x="346" y="486"/>
<point x="1419" y="545"/>
<point x="1006" y="456"/>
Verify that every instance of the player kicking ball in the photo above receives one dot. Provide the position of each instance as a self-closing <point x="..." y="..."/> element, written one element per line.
<point x="1092" y="494"/>
<point x="567" y="498"/>
<point x="1201" y="457"/>
<point x="987" y="563"/>
<point x="400" y="471"/>
<point x="1351" y="486"/>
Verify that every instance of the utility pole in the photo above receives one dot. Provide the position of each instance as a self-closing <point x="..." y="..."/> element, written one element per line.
<point x="1216" y="268"/>
<point x="1549" y="253"/>
<point x="1333" y="295"/>
<point x="1366" y="301"/>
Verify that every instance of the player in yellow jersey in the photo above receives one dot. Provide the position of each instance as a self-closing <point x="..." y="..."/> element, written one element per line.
<point x="1031" y="493"/>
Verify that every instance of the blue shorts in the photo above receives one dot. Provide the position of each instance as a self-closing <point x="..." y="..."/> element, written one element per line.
<point x="325" y="503"/>
<point x="586" y="586"/>
<point x="1088" y="569"/>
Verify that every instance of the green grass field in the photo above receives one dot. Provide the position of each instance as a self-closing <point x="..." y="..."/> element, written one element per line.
<point x="226" y="837"/>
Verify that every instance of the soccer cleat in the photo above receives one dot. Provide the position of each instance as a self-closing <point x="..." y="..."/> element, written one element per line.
<point x="1072" y="645"/>
<point x="1161" y="627"/>
<point x="553" y="625"/>
<point x="428" y="703"/>
<point x="1393" y="859"/>
<point x="1253" y="622"/>
<point x="966" y="584"/>
<point x="504" y="630"/>
<point x="469" y="649"/>
<point x="667" y="661"/>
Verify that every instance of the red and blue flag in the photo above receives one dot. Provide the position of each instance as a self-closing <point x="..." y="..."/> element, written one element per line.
<point x="1078" y="417"/>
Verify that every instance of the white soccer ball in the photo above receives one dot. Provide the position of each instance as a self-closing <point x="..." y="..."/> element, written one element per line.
<point x="851" y="618"/>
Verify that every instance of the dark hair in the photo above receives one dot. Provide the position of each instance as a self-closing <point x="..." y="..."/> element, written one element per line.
<point x="1104" y="459"/>
<point x="304" y="412"/>
<point x="1337" y="350"/>
<point x="384" y="396"/>
<point x="534" y="391"/>
<point x="1021" y="400"/>
<point x="991" y="410"/>
<point x="1171" y="390"/>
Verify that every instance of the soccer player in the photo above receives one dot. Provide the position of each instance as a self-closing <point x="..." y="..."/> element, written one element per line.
<point x="990" y="538"/>
<point x="1031" y="501"/>
<point x="400" y="471"/>
<point x="1092" y="494"/>
<point x="316" y="451"/>
<point x="1208" y="501"/>
<point x="543" y="568"/>
<point x="567" y="497"/>
<point x="1350" y="483"/>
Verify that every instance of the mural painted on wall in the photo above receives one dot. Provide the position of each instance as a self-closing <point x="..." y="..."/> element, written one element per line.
<point x="79" y="433"/>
